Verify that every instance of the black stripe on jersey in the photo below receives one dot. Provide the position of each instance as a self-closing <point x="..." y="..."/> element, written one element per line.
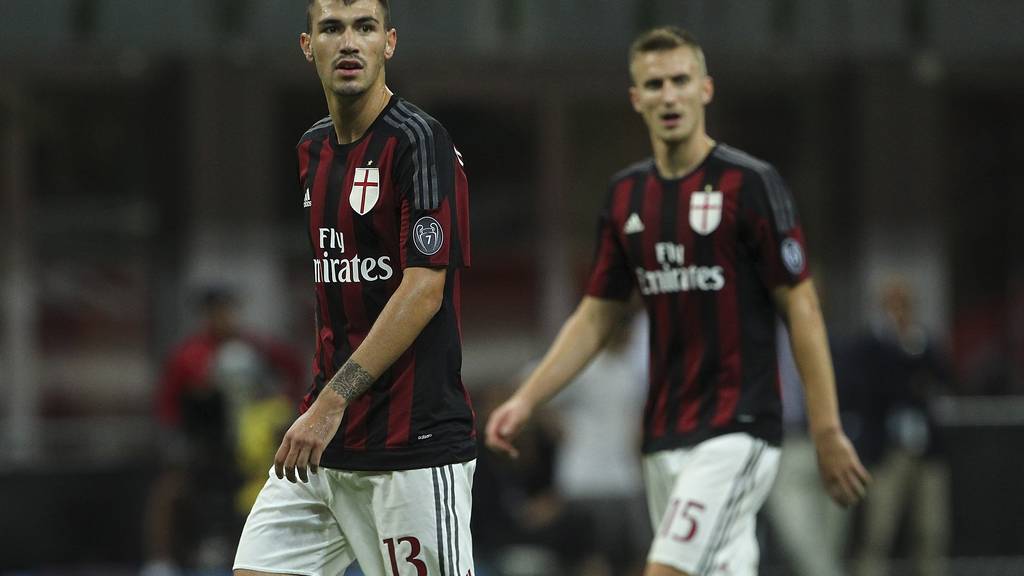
<point x="335" y="306"/>
<point x="375" y="296"/>
<point x="315" y="149"/>
<point x="437" y="520"/>
<point x="779" y="199"/>
<point x="636" y="206"/>
<point x="321" y="123"/>
<point x="433" y="194"/>
<point x="396" y="121"/>
<point x="711" y="363"/>
<point x="727" y="517"/>
<point x="675" y="378"/>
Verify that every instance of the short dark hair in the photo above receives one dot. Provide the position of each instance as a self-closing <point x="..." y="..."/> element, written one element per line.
<point x="666" y="38"/>
<point x="385" y="4"/>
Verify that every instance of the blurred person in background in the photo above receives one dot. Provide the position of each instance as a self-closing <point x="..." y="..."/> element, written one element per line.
<point x="710" y="238"/>
<point x="598" y="458"/>
<point x="223" y="401"/>
<point x="900" y="370"/>
<point x="378" y="468"/>
<point x="811" y="529"/>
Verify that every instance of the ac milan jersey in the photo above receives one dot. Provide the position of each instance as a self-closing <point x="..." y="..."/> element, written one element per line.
<point x="705" y="251"/>
<point x="395" y="198"/>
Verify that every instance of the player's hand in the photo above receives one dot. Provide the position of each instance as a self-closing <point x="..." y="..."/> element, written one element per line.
<point x="504" y="425"/>
<point x="305" y="442"/>
<point x="844" y="476"/>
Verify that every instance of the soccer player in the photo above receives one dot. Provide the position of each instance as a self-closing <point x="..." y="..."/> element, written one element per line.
<point x="710" y="238"/>
<point x="379" y="465"/>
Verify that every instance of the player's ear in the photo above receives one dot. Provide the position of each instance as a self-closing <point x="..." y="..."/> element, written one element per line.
<point x="634" y="98"/>
<point x="707" y="90"/>
<point x="306" y="45"/>
<point x="392" y="43"/>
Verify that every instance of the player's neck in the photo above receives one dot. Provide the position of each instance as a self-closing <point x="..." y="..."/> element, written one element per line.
<point x="352" y="116"/>
<point x="677" y="159"/>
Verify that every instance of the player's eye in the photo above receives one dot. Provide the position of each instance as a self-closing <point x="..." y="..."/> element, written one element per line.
<point x="681" y="80"/>
<point x="653" y="84"/>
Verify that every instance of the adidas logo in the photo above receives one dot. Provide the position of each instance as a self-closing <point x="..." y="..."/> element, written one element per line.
<point x="633" y="224"/>
<point x="306" y="202"/>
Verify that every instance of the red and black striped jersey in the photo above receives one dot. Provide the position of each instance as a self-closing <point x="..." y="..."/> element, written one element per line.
<point x="705" y="252"/>
<point x="395" y="198"/>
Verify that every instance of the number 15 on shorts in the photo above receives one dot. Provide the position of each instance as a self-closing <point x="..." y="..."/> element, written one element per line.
<point x="682" y="521"/>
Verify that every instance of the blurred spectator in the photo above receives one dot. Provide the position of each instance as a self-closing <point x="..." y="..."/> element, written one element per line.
<point x="598" y="465"/>
<point x="224" y="400"/>
<point x="900" y="371"/>
<point x="811" y="528"/>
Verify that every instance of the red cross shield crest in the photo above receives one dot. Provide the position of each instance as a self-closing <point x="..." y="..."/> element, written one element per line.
<point x="705" y="211"/>
<point x="365" y="190"/>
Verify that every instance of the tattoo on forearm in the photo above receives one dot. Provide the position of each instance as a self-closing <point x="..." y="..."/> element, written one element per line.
<point x="351" y="381"/>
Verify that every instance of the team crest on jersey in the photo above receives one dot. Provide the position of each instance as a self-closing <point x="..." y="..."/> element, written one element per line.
<point x="428" y="236"/>
<point x="705" y="211"/>
<point x="365" y="190"/>
<point x="792" y="256"/>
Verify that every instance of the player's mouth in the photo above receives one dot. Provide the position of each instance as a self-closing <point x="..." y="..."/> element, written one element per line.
<point x="349" y="67"/>
<point x="671" y="119"/>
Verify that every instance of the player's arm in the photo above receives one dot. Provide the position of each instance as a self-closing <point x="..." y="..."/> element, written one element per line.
<point x="579" y="340"/>
<point x="417" y="299"/>
<point x="844" y="476"/>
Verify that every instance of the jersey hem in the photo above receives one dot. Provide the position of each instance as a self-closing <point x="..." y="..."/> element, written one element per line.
<point x="404" y="458"/>
<point x="769" y="431"/>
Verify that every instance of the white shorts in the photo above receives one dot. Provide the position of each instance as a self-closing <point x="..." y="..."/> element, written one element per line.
<point x="703" y="503"/>
<point x="402" y="523"/>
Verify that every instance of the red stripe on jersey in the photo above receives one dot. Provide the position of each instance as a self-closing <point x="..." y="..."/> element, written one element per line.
<point x="400" y="399"/>
<point x="457" y="303"/>
<point x="462" y="212"/>
<point x="403" y="233"/>
<point x="606" y="246"/>
<point x="690" y="315"/>
<point x="730" y="362"/>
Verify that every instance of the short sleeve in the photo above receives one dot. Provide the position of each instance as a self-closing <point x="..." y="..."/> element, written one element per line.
<point x="609" y="277"/>
<point x="434" y="192"/>
<point x="773" y="232"/>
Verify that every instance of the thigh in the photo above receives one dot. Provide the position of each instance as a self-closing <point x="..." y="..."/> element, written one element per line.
<point x="708" y="525"/>
<point x="414" y="522"/>
<point x="291" y="529"/>
<point x="660" y="471"/>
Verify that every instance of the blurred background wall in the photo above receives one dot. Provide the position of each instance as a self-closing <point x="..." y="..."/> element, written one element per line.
<point x="147" y="150"/>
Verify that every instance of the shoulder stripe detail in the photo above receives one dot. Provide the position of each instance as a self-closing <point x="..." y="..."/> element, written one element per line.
<point x="779" y="198"/>
<point x="635" y="169"/>
<point x="781" y="202"/>
<point x="433" y="193"/>
<point x="417" y="185"/>
<point x="320" y="124"/>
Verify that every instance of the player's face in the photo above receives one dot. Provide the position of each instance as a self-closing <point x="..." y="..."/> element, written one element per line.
<point x="670" y="91"/>
<point x="348" y="44"/>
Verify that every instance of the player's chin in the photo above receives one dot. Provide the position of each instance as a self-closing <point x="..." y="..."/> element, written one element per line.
<point x="348" y="88"/>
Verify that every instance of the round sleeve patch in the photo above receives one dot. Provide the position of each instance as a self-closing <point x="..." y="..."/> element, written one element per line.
<point x="793" y="256"/>
<point x="427" y="236"/>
